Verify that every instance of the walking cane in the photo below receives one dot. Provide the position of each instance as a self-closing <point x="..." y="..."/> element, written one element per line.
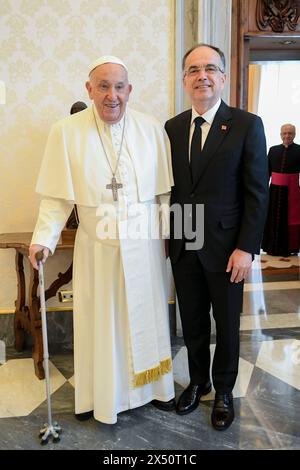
<point x="49" y="429"/>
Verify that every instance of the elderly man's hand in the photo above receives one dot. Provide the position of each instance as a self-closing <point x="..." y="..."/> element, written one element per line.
<point x="35" y="248"/>
<point x="239" y="264"/>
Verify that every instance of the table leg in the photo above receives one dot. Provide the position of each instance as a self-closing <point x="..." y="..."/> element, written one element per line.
<point x="19" y="303"/>
<point x="35" y="315"/>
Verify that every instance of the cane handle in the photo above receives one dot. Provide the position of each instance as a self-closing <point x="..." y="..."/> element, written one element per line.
<point x="39" y="256"/>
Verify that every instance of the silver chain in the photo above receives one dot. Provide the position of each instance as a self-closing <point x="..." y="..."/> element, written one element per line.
<point x="121" y="145"/>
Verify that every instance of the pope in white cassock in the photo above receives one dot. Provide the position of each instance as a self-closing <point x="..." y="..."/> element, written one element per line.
<point x="113" y="162"/>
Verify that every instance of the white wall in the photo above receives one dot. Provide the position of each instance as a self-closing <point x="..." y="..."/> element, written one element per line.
<point x="46" y="46"/>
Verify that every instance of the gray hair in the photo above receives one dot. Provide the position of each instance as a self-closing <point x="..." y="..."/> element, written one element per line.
<point x="288" y="125"/>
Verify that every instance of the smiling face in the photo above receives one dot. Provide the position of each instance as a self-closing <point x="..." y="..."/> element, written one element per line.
<point x="108" y="87"/>
<point x="287" y="134"/>
<point x="204" y="88"/>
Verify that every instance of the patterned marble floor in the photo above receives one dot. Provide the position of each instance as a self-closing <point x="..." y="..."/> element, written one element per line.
<point x="266" y="395"/>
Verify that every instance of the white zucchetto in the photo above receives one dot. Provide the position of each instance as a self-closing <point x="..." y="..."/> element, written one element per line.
<point x="106" y="59"/>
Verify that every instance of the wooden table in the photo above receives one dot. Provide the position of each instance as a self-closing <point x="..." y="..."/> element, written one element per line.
<point x="28" y="317"/>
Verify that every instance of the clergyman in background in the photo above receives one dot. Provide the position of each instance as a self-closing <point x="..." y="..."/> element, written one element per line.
<point x="282" y="230"/>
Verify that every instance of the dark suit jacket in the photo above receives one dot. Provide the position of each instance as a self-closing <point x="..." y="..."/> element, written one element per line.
<point x="232" y="183"/>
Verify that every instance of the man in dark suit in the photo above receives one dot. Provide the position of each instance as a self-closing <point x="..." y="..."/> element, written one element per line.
<point x="219" y="160"/>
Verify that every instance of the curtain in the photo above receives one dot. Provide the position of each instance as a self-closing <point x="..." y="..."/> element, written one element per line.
<point x="279" y="98"/>
<point x="254" y="87"/>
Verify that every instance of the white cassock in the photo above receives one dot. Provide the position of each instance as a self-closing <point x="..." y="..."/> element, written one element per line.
<point x="122" y="355"/>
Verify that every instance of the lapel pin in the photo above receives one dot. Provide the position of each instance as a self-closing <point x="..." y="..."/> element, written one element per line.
<point x="224" y="128"/>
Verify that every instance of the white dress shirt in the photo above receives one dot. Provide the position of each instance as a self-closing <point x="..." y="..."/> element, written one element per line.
<point x="209" y="117"/>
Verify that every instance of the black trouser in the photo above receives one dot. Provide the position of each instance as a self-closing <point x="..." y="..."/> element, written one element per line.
<point x="198" y="289"/>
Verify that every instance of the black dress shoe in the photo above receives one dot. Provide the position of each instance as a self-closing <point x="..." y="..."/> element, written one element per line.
<point x="164" y="405"/>
<point x="84" y="416"/>
<point x="223" y="411"/>
<point x="190" y="397"/>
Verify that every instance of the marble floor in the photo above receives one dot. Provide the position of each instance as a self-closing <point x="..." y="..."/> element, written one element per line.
<point x="266" y="395"/>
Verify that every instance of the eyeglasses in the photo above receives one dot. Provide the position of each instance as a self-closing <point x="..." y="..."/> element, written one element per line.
<point x="210" y="69"/>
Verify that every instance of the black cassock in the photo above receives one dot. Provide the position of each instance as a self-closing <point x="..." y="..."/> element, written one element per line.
<point x="282" y="230"/>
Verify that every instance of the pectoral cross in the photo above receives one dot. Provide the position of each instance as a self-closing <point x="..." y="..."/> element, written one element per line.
<point x="114" y="186"/>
